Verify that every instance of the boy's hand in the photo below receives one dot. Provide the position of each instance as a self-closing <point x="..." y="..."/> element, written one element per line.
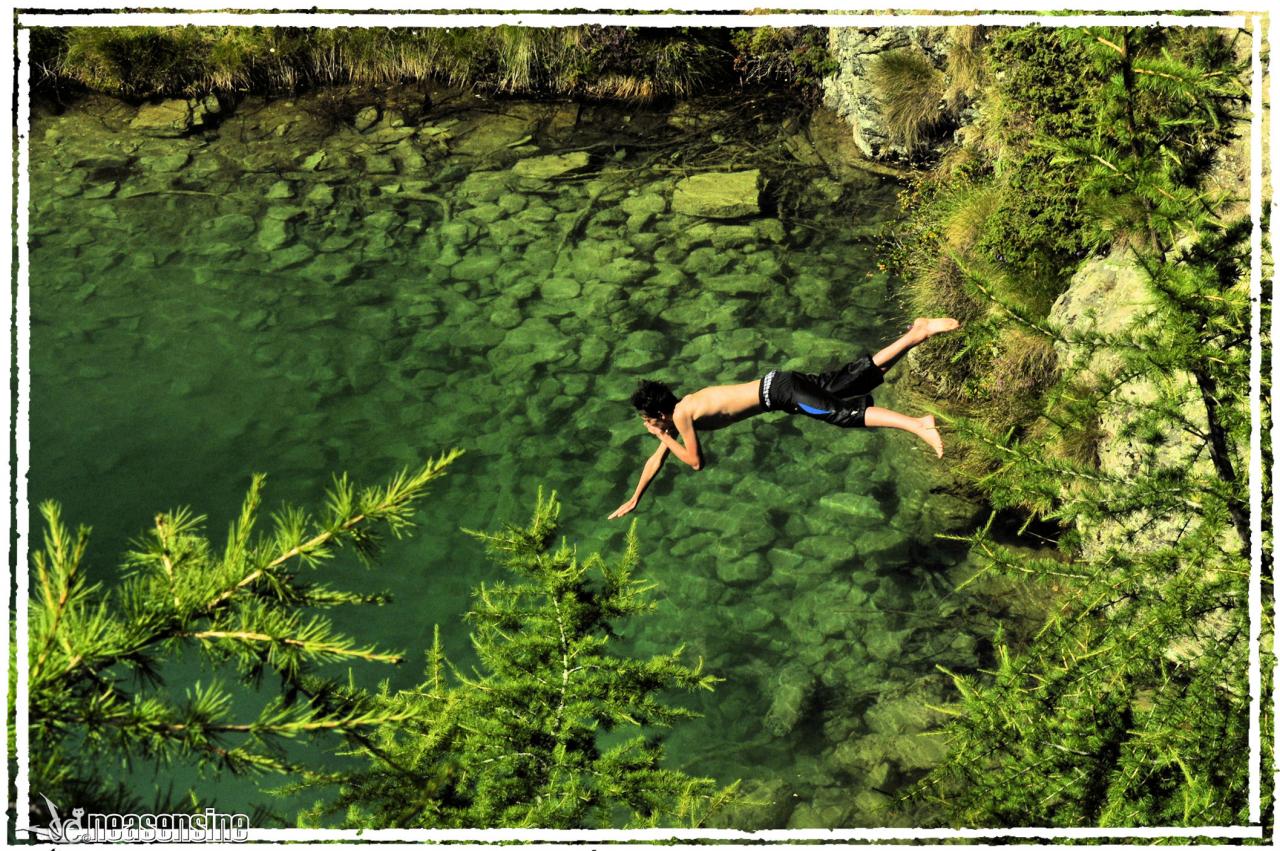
<point x="626" y="508"/>
<point x="653" y="429"/>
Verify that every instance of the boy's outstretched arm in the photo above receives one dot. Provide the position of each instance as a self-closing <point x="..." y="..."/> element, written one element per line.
<point x="651" y="468"/>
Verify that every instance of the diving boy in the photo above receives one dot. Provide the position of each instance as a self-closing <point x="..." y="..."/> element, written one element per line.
<point x="841" y="397"/>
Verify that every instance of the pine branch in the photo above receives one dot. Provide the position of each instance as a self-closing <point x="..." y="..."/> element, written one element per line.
<point x="314" y="648"/>
<point x="59" y="581"/>
<point x="85" y="644"/>
<point x="390" y="505"/>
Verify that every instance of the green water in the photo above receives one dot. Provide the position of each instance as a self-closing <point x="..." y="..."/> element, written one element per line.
<point x="211" y="306"/>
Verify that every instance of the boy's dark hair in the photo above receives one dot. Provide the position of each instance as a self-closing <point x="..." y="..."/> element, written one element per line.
<point x="653" y="398"/>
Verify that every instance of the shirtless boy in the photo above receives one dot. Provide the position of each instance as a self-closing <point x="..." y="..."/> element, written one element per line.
<point x="840" y="397"/>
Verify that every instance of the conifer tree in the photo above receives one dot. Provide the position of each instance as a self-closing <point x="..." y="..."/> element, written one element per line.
<point x="98" y="697"/>
<point x="521" y="742"/>
<point x="1130" y="706"/>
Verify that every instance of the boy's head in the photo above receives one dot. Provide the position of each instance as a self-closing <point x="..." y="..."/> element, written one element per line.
<point x="654" y="400"/>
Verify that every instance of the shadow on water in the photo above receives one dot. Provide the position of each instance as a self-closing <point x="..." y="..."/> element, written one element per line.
<point x="287" y="294"/>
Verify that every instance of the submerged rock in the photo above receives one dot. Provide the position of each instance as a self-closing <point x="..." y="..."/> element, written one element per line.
<point x="483" y="187"/>
<point x="366" y="118"/>
<point x="854" y="504"/>
<point x="492" y="133"/>
<point x="738" y="284"/>
<point x="379" y="164"/>
<point x="291" y="256"/>
<point x="649" y="201"/>
<point x="718" y="195"/>
<point x="169" y="118"/>
<point x="791" y="694"/>
<point x="558" y="289"/>
<point x="101" y="190"/>
<point x="164" y="163"/>
<point x="321" y="195"/>
<point x="231" y="228"/>
<point x="553" y="165"/>
<point x="280" y="190"/>
<point x="741" y="570"/>
<point x="390" y="136"/>
<point x="273" y="234"/>
<point x="762" y="804"/>
<point x="70" y="183"/>
<point x="475" y="266"/>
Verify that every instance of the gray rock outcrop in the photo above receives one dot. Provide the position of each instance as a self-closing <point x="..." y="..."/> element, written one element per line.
<point x="850" y="91"/>
<point x="1107" y="297"/>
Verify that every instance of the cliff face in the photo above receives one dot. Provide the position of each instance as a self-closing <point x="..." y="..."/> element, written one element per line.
<point x="850" y="91"/>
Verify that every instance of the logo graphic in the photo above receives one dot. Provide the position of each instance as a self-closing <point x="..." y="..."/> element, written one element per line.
<point x="57" y="831"/>
<point x="207" y="826"/>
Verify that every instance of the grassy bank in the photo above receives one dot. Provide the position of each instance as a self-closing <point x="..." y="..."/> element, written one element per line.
<point x="591" y="61"/>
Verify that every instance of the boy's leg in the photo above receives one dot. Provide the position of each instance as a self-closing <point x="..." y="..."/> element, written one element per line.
<point x="922" y="427"/>
<point x="796" y="393"/>
<point x="920" y="330"/>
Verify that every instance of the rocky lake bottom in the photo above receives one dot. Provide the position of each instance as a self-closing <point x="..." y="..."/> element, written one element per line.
<point x="290" y="288"/>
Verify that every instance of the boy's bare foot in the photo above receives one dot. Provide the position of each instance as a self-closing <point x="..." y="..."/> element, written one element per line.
<point x="926" y="327"/>
<point x="929" y="433"/>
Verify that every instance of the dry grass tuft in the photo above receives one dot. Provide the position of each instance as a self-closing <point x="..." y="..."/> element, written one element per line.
<point x="910" y="91"/>
<point x="963" y="223"/>
<point x="966" y="67"/>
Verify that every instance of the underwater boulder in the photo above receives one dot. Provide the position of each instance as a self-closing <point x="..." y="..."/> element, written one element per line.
<point x="738" y="284"/>
<point x="718" y="195"/>
<point x="856" y="505"/>
<point x="791" y="694"/>
<point x="492" y="133"/>
<point x="742" y="570"/>
<point x="551" y="166"/>
<point x="379" y="164"/>
<point x="410" y="158"/>
<point x="560" y="289"/>
<point x="281" y="190"/>
<point x="366" y="118"/>
<point x="273" y="234"/>
<point x="483" y="187"/>
<point x="624" y="271"/>
<point x="169" y="118"/>
<point x="164" y="163"/>
<point x="320" y="195"/>
<point x="813" y="815"/>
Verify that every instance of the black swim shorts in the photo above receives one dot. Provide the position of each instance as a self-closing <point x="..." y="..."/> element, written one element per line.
<point x="840" y="397"/>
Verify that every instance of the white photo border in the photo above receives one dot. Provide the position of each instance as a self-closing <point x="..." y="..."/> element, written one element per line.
<point x="539" y="14"/>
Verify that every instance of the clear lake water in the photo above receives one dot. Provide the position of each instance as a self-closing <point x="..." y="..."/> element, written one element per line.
<point x="285" y="294"/>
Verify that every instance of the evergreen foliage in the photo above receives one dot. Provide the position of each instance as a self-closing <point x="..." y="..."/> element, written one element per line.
<point x="1130" y="706"/>
<point x="1032" y="212"/>
<point x="98" y="697"/>
<point x="522" y="742"/>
